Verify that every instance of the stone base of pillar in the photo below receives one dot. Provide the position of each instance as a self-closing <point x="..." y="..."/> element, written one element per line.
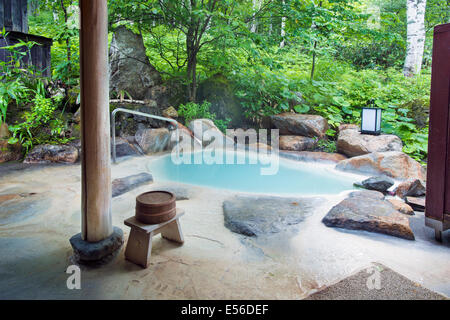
<point x="96" y="252"/>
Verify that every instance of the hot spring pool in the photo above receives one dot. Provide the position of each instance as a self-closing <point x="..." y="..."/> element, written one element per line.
<point x="292" y="177"/>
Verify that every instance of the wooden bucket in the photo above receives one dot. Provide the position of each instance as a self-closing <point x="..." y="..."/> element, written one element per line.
<point x="155" y="207"/>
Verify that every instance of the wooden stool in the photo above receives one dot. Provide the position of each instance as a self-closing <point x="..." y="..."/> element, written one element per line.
<point x="139" y="245"/>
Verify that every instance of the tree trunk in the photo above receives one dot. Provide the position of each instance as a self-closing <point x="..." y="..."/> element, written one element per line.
<point x="415" y="13"/>
<point x="192" y="77"/>
<point x="69" y="53"/>
<point x="313" y="67"/>
<point x="270" y="26"/>
<point x="256" y="7"/>
<point x="191" y="74"/>
<point x="283" y="26"/>
<point x="314" y="55"/>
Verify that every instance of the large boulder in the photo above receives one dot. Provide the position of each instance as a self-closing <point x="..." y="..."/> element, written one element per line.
<point x="402" y="207"/>
<point x="297" y="143"/>
<point x="394" y="164"/>
<point x="311" y="156"/>
<point x="199" y="126"/>
<point x="123" y="185"/>
<point x="352" y="143"/>
<point x="128" y="124"/>
<point x="170" y="112"/>
<point x="411" y="188"/>
<point x="130" y="69"/>
<point x="206" y="131"/>
<point x="378" y="183"/>
<point x="219" y="91"/>
<point x="373" y="214"/>
<point x="48" y="153"/>
<point x="76" y="143"/>
<point x="9" y="152"/>
<point x="348" y="126"/>
<point x="124" y="148"/>
<point x="262" y="215"/>
<point x="260" y="147"/>
<point x="300" y="124"/>
<point x="372" y="194"/>
<point x="4" y="131"/>
<point x="417" y="203"/>
<point x="153" y="140"/>
<point x="186" y="140"/>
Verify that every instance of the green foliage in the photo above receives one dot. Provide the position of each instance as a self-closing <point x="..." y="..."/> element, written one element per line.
<point x="41" y="125"/>
<point x="264" y="92"/>
<point x="192" y="110"/>
<point x="327" y="146"/>
<point x="222" y="124"/>
<point x="21" y="84"/>
<point x="190" y="42"/>
<point x="49" y="20"/>
<point x="10" y="91"/>
<point x="338" y="93"/>
<point x="13" y="77"/>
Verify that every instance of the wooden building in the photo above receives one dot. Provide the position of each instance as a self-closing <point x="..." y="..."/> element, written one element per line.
<point x="14" y="19"/>
<point x="437" y="212"/>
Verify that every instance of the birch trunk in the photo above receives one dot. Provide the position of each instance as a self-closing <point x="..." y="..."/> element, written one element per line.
<point x="415" y="36"/>
<point x="256" y="7"/>
<point x="283" y="30"/>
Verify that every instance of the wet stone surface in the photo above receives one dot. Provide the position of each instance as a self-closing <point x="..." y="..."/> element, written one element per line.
<point x="378" y="183"/>
<point x="15" y="208"/>
<point x="261" y="215"/>
<point x="92" y="252"/>
<point x="369" y="212"/>
<point x="123" y="185"/>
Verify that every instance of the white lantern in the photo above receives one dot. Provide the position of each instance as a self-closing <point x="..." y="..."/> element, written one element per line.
<point x="371" y="121"/>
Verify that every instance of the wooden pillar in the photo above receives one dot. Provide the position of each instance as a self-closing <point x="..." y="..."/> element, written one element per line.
<point x="437" y="207"/>
<point x="95" y="123"/>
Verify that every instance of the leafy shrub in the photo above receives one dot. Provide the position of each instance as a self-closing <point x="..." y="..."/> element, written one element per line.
<point x="40" y="125"/>
<point x="221" y="124"/>
<point x="263" y="92"/>
<point x="10" y="91"/>
<point x="327" y="145"/>
<point x="13" y="77"/>
<point x="21" y="84"/>
<point x="373" y="55"/>
<point x="192" y="110"/>
<point x="338" y="93"/>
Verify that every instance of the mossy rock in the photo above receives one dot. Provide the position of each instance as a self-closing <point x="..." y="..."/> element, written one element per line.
<point x="218" y="90"/>
<point x="4" y="131"/>
<point x="72" y="96"/>
<point x="9" y="152"/>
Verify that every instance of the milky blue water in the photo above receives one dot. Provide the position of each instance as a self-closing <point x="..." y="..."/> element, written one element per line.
<point x="293" y="177"/>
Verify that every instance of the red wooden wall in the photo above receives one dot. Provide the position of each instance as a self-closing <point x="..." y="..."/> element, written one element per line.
<point x="438" y="176"/>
